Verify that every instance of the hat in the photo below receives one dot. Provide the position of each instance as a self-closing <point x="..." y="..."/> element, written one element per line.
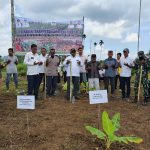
<point x="93" y="56"/>
<point x="140" y="53"/>
<point x="73" y="50"/>
<point x="126" y="50"/>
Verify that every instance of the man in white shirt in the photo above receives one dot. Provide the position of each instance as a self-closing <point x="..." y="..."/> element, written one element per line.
<point x="126" y="64"/>
<point x="32" y="61"/>
<point x="74" y="71"/>
<point x="42" y="67"/>
<point x="83" y="58"/>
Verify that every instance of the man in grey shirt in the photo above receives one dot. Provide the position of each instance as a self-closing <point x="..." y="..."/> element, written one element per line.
<point x="11" y="68"/>
<point x="52" y="64"/>
<point x="110" y="65"/>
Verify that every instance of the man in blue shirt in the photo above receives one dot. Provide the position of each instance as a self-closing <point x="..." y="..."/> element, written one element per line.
<point x="110" y="65"/>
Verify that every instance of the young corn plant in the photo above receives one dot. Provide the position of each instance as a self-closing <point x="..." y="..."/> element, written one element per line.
<point x="110" y="127"/>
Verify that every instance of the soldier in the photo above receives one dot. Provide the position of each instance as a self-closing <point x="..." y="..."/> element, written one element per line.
<point x="142" y="60"/>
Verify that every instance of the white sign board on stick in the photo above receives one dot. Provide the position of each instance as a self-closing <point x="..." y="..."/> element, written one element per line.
<point x="98" y="97"/>
<point x="25" y="102"/>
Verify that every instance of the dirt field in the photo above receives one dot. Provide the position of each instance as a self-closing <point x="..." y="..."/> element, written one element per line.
<point x="56" y="124"/>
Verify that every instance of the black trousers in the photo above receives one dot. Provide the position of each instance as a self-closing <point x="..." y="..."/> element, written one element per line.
<point x="125" y="86"/>
<point x="33" y="85"/>
<point x="65" y="76"/>
<point x="42" y="78"/>
<point x="111" y="81"/>
<point x="51" y="83"/>
<point x="76" y="85"/>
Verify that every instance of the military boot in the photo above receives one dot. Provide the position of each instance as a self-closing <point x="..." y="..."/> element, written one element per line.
<point x="145" y="101"/>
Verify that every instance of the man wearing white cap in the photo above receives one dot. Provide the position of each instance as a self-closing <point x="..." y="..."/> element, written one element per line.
<point x="126" y="63"/>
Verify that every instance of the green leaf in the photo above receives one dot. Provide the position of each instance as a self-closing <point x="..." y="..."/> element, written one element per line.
<point x="126" y="140"/>
<point x="96" y="132"/>
<point x="112" y="138"/>
<point x="107" y="124"/>
<point x="116" y="121"/>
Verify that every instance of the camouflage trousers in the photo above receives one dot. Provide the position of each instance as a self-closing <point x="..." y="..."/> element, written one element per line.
<point x="145" y="84"/>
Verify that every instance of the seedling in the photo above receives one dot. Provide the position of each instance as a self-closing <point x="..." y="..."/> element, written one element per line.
<point x="110" y="127"/>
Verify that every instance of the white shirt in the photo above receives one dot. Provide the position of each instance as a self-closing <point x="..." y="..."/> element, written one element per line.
<point x="126" y="71"/>
<point x="83" y="59"/>
<point x="42" y="67"/>
<point x="102" y="73"/>
<point x="29" y="60"/>
<point x="75" y="67"/>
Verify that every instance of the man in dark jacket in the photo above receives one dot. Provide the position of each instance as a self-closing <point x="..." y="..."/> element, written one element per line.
<point x="93" y="73"/>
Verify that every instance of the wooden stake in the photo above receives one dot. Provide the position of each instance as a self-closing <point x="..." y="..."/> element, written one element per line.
<point x="99" y="116"/>
<point x="70" y="82"/>
<point x="28" y="129"/>
<point x="11" y="143"/>
<point x="139" y="88"/>
<point x="45" y="81"/>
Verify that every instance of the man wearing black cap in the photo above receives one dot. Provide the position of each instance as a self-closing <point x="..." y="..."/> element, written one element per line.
<point x="93" y="73"/>
<point x="52" y="64"/>
<point x="73" y="64"/>
<point x="126" y="64"/>
<point x="110" y="65"/>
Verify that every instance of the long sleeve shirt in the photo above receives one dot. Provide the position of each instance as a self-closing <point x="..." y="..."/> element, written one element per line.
<point x="110" y="71"/>
<point x="75" y="67"/>
<point x="29" y="60"/>
<point x="126" y="71"/>
<point x="43" y="60"/>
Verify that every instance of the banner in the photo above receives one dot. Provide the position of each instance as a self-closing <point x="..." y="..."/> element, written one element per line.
<point x="62" y="35"/>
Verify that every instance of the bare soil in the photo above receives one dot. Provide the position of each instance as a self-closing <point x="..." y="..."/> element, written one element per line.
<point x="56" y="124"/>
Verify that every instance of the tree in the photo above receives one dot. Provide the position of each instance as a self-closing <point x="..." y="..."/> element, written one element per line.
<point x="101" y="43"/>
<point x="95" y="44"/>
<point x="84" y="37"/>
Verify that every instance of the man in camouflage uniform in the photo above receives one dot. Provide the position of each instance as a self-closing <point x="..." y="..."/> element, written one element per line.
<point x="142" y="60"/>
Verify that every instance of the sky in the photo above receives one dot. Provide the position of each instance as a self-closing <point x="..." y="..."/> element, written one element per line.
<point x="113" y="21"/>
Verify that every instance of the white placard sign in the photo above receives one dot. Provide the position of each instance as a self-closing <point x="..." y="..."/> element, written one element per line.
<point x="25" y="102"/>
<point x="98" y="97"/>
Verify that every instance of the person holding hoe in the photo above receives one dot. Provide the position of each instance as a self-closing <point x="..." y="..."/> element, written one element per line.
<point x="73" y="64"/>
<point x="142" y="67"/>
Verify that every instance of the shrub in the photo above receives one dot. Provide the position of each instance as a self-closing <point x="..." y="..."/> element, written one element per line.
<point x="22" y="69"/>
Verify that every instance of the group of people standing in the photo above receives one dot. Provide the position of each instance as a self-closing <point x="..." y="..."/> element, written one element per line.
<point x="76" y="67"/>
<point x="122" y="69"/>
